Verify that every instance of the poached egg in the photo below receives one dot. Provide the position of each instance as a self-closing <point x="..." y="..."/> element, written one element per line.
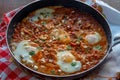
<point x="67" y="62"/>
<point x="23" y="49"/>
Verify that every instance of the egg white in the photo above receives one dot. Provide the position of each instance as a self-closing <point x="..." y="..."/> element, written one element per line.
<point x="93" y="38"/>
<point x="23" y="49"/>
<point x="43" y="11"/>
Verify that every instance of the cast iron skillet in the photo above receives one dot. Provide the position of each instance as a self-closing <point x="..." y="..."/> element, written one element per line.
<point x="66" y="3"/>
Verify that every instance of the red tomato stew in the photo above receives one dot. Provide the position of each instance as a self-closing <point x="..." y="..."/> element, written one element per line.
<point x="59" y="41"/>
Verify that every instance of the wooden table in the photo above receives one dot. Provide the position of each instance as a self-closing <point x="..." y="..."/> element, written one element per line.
<point x="7" y="5"/>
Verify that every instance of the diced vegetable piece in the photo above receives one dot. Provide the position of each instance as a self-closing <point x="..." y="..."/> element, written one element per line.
<point x="43" y="23"/>
<point x="79" y="38"/>
<point x="52" y="71"/>
<point x="73" y="64"/>
<point x="69" y="47"/>
<point x="32" y="53"/>
<point x="98" y="47"/>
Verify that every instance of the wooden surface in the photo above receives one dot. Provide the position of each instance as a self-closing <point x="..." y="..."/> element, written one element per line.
<point x="7" y="5"/>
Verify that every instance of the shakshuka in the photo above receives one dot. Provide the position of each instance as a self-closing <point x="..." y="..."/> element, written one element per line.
<point x="60" y="41"/>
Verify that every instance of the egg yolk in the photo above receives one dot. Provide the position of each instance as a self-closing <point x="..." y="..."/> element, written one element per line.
<point x="67" y="58"/>
<point x="61" y="35"/>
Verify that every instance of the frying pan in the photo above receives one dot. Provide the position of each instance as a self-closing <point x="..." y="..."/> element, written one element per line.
<point x="66" y="3"/>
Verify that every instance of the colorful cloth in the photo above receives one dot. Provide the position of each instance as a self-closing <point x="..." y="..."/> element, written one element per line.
<point x="9" y="71"/>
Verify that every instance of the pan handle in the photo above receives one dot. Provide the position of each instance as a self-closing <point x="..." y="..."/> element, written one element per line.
<point x="116" y="39"/>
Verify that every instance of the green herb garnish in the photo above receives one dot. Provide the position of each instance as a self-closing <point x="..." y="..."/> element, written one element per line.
<point x="43" y="40"/>
<point x="25" y="44"/>
<point x="40" y="48"/>
<point x="58" y="38"/>
<point x="79" y="38"/>
<point x="98" y="47"/>
<point x="36" y="41"/>
<point x="43" y="23"/>
<point x="41" y="13"/>
<point x="47" y="15"/>
<point x="52" y="71"/>
<point x="73" y="64"/>
<point x="69" y="47"/>
<point x="65" y="36"/>
<point x="32" y="53"/>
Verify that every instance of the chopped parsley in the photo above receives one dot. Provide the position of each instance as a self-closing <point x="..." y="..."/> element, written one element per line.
<point x="58" y="38"/>
<point x="45" y="15"/>
<point x="40" y="48"/>
<point x="73" y="64"/>
<point x="43" y="23"/>
<point x="36" y="41"/>
<point x="41" y="13"/>
<point x="32" y="53"/>
<point x="69" y="47"/>
<point x="79" y="38"/>
<point x="43" y="40"/>
<point x="52" y="71"/>
<point x="65" y="36"/>
<point x="98" y="47"/>
<point x="25" y="44"/>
